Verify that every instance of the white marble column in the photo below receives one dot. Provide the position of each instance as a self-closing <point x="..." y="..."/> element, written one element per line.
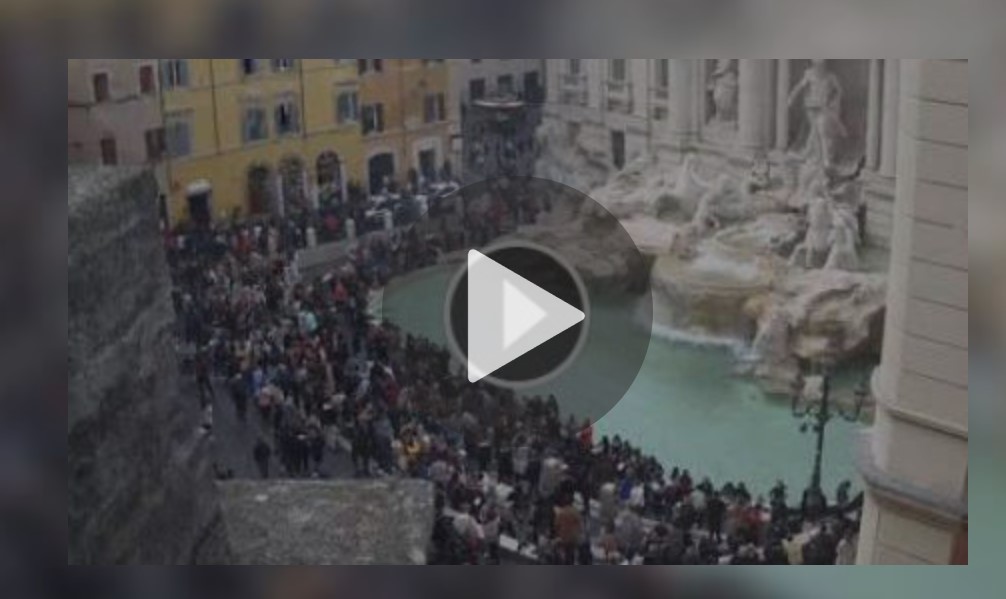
<point x="889" y="132"/>
<point x="754" y="105"/>
<point x="782" y="87"/>
<point x="681" y="100"/>
<point x="873" y="115"/>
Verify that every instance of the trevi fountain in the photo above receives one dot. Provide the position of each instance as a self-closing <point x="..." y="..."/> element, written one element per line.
<point x="760" y="271"/>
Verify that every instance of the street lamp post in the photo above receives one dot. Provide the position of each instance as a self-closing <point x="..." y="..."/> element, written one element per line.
<point x="816" y="413"/>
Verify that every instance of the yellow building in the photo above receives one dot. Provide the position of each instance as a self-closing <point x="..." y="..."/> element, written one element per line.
<point x="403" y="111"/>
<point x="252" y="135"/>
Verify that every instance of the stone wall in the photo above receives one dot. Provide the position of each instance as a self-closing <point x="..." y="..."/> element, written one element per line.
<point x="140" y="480"/>
<point x="348" y="522"/>
<point x="915" y="459"/>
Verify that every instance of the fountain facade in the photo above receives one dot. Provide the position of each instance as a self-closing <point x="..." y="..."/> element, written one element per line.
<point x="753" y="240"/>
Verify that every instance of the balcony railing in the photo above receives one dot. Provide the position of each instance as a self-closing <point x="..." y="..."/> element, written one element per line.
<point x="574" y="79"/>
<point x="575" y="97"/>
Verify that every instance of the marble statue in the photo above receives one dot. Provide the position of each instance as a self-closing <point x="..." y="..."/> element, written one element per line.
<point x="724" y="86"/>
<point x="688" y="183"/>
<point x="822" y="102"/>
<point x="842" y="254"/>
<point x="811" y="181"/>
<point x="705" y="219"/>
<point x="815" y="246"/>
<point x="819" y="219"/>
<point x="759" y="178"/>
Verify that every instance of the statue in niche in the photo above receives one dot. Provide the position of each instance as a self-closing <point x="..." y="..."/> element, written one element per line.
<point x="723" y="88"/>
<point x="822" y="103"/>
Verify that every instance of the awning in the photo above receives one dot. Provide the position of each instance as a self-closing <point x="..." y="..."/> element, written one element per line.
<point x="198" y="187"/>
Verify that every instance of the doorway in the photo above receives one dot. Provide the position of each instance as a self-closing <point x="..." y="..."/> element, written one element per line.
<point x="291" y="176"/>
<point x="261" y="190"/>
<point x="531" y="89"/>
<point x="329" y="175"/>
<point x="379" y="167"/>
<point x="428" y="164"/>
<point x="199" y="207"/>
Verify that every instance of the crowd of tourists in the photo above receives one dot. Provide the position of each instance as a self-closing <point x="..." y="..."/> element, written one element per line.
<point x="305" y="363"/>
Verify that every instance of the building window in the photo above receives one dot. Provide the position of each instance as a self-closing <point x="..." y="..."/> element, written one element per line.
<point x="148" y="87"/>
<point x="175" y="73"/>
<point x="373" y="118"/>
<point x="574" y="65"/>
<point x="363" y="65"/>
<point x="177" y="135"/>
<point x="663" y="73"/>
<point x="287" y="117"/>
<point x="254" y="125"/>
<point x="109" y="153"/>
<point x="504" y="85"/>
<point x="618" y="70"/>
<point x="102" y="92"/>
<point x="347" y="107"/>
<point x="532" y="86"/>
<point x="434" y="108"/>
<point x="476" y="89"/>
<point x="283" y="65"/>
<point x="155" y="143"/>
<point x="429" y="108"/>
<point x="249" y="66"/>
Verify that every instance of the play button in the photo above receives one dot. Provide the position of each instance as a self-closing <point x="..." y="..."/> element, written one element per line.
<point x="508" y="315"/>
<point x="517" y="314"/>
<point x="520" y="313"/>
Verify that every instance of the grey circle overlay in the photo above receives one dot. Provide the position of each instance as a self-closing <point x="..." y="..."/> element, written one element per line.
<point x="458" y="347"/>
<point x="608" y="269"/>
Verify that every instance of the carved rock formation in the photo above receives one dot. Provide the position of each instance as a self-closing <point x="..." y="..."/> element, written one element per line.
<point x="825" y="316"/>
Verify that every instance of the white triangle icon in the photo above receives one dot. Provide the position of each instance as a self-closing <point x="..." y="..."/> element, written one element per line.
<point x="508" y="315"/>
<point x="520" y="314"/>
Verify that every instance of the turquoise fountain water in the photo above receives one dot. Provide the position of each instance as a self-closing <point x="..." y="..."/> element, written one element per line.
<point x="686" y="407"/>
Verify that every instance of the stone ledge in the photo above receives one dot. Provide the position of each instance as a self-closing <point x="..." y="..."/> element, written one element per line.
<point x="904" y="493"/>
<point x="386" y="522"/>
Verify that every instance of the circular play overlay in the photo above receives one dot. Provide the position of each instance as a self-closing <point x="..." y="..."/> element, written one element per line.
<point x="580" y="253"/>
<point x="545" y="269"/>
